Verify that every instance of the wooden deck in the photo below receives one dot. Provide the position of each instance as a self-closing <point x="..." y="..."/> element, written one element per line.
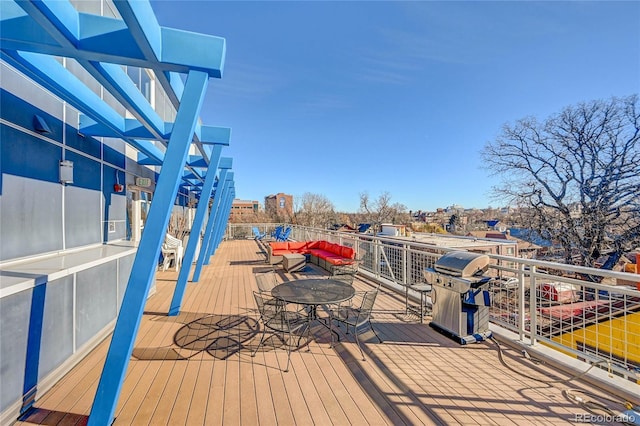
<point x="196" y="368"/>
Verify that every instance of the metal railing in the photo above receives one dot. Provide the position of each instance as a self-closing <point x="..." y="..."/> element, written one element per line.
<point x="594" y="321"/>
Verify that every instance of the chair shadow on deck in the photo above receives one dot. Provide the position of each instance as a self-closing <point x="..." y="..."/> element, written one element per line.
<point x="219" y="336"/>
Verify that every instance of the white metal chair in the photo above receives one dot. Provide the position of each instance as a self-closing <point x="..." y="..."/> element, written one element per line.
<point x="172" y="249"/>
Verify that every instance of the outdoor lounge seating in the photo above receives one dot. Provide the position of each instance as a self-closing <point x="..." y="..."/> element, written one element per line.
<point x="171" y="249"/>
<point x="322" y="253"/>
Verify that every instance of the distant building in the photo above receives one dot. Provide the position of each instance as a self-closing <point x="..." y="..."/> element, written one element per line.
<point x="523" y="248"/>
<point x="243" y="208"/>
<point x="279" y="205"/>
<point x="506" y="247"/>
<point x="393" y="230"/>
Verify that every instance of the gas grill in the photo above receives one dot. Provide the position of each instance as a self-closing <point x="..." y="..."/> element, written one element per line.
<point x="460" y="297"/>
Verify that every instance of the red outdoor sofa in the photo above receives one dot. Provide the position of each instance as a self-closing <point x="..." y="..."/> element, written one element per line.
<point x="322" y="253"/>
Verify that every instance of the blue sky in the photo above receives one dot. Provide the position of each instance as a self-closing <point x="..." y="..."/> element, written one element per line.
<point x="340" y="98"/>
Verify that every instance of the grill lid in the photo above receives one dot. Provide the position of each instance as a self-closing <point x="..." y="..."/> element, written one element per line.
<point x="462" y="264"/>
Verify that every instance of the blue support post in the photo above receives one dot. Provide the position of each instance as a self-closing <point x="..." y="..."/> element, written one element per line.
<point x="146" y="260"/>
<point x="232" y="195"/>
<point x="194" y="237"/>
<point x="226" y="210"/>
<point x="210" y="225"/>
<point x="221" y="218"/>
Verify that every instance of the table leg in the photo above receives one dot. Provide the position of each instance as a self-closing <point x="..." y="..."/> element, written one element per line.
<point x="313" y="316"/>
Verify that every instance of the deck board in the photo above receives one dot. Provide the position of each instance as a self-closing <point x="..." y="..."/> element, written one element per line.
<point x="196" y="368"/>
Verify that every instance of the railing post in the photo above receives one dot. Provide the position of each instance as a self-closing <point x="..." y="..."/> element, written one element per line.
<point x="533" y="318"/>
<point x="405" y="265"/>
<point x="376" y="257"/>
<point x="521" y="303"/>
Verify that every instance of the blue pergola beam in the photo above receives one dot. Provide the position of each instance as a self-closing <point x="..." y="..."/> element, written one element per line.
<point x="62" y="22"/>
<point x="143" y="26"/>
<point x="55" y="27"/>
<point x="73" y="31"/>
<point x="118" y="82"/>
<point x="194" y="237"/>
<point x="48" y="72"/>
<point x="145" y="262"/>
<point x="226" y="210"/>
<point x="221" y="219"/>
<point x="223" y="184"/>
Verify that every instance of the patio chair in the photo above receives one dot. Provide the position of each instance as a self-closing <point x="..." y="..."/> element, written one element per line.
<point x="277" y="232"/>
<point x="266" y="281"/>
<point x="171" y="249"/>
<point x="356" y="317"/>
<point x="346" y="273"/>
<point x="279" y="321"/>
<point x="345" y="277"/>
<point x="256" y="233"/>
<point x="284" y="235"/>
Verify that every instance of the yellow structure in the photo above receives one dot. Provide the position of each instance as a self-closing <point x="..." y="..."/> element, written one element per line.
<point x="619" y="337"/>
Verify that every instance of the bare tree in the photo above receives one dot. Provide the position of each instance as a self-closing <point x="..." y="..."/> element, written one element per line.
<point x="577" y="177"/>
<point x="314" y="210"/>
<point x="454" y="223"/>
<point x="381" y="210"/>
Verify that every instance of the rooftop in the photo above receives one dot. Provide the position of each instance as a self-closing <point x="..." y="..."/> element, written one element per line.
<point x="196" y="368"/>
<point x="455" y="241"/>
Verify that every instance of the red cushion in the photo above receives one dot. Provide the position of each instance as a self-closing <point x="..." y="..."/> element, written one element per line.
<point x="334" y="248"/>
<point x="323" y="254"/>
<point x="323" y="245"/>
<point x="297" y="245"/>
<point x="347" y="252"/>
<point x="313" y="244"/>
<point x="335" y="260"/>
<point x="279" y="245"/>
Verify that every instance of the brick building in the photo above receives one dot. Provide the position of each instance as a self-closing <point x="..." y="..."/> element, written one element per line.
<point x="279" y="205"/>
<point x="243" y="208"/>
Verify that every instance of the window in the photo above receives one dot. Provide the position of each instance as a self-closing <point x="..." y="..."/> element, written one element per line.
<point x="143" y="80"/>
<point x="282" y="203"/>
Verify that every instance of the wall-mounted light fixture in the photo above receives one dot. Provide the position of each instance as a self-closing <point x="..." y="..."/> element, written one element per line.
<point x="118" y="187"/>
<point x="40" y="126"/>
<point x="66" y="171"/>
